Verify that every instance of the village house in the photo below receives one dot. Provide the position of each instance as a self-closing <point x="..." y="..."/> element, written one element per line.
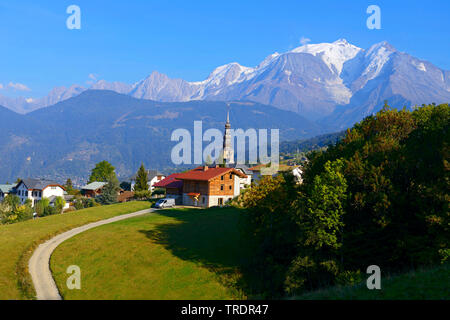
<point x="154" y="176"/>
<point x="173" y="187"/>
<point x="93" y="189"/>
<point x="210" y="186"/>
<point x="125" y="196"/>
<point x="5" y="190"/>
<point x="36" y="189"/>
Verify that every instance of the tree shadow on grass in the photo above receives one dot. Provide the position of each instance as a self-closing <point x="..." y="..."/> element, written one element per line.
<point x="210" y="238"/>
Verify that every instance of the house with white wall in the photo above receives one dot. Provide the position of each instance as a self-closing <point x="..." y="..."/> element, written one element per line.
<point x="154" y="176"/>
<point x="210" y="186"/>
<point x="36" y="189"/>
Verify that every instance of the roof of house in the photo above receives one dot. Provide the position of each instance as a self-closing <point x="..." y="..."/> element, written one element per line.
<point x="124" y="196"/>
<point x="38" y="184"/>
<point x="207" y="173"/>
<point x="241" y="167"/>
<point x="150" y="174"/>
<point x="6" y="188"/>
<point x="170" y="182"/>
<point x="69" y="197"/>
<point x="94" y="186"/>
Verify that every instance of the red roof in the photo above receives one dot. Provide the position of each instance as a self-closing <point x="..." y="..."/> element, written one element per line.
<point x="170" y="182"/>
<point x="207" y="173"/>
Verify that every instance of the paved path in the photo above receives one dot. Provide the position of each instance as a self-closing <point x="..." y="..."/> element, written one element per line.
<point x="39" y="264"/>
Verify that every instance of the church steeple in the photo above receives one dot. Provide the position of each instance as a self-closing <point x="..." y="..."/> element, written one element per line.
<point x="228" y="152"/>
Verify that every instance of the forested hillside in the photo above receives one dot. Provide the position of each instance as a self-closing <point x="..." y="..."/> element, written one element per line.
<point x="380" y="196"/>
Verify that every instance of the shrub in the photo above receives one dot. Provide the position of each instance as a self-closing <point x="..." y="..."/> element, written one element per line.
<point x="143" y="195"/>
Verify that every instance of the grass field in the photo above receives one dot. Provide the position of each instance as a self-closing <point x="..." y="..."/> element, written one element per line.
<point x="172" y="254"/>
<point x="428" y="284"/>
<point x="18" y="241"/>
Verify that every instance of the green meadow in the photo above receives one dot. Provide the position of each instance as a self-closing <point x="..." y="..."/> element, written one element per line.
<point x="171" y="254"/>
<point x="19" y="240"/>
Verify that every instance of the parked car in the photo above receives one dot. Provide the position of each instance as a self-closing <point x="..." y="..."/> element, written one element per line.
<point x="165" y="203"/>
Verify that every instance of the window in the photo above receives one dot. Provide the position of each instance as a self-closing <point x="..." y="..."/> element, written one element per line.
<point x="231" y="176"/>
<point x="203" y="200"/>
<point x="220" y="201"/>
<point x="222" y="187"/>
<point x="222" y="177"/>
<point x="231" y="187"/>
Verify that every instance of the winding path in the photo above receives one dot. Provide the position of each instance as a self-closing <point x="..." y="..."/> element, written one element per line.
<point x="39" y="264"/>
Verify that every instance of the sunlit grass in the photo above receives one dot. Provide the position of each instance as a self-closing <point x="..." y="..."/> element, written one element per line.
<point x="18" y="241"/>
<point x="173" y="254"/>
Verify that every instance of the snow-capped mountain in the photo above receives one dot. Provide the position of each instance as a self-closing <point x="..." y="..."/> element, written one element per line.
<point x="25" y="105"/>
<point x="336" y="83"/>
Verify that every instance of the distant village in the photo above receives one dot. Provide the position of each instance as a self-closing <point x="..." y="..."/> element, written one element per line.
<point x="205" y="186"/>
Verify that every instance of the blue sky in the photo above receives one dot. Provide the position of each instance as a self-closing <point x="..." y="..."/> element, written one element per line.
<point x="126" y="40"/>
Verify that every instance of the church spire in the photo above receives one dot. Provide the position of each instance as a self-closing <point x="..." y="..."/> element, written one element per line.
<point x="228" y="152"/>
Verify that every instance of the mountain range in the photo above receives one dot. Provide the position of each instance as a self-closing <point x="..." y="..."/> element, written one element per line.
<point x="66" y="140"/>
<point x="335" y="84"/>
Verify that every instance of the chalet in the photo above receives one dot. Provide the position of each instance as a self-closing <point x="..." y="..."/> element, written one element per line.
<point x="173" y="187"/>
<point x="154" y="176"/>
<point x="125" y="196"/>
<point x="6" y="189"/>
<point x="210" y="186"/>
<point x="36" y="189"/>
<point x="93" y="189"/>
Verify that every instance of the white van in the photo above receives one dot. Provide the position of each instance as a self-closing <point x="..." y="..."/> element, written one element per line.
<point x="165" y="203"/>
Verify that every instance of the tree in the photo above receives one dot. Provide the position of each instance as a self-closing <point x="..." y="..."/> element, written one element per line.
<point x="325" y="207"/>
<point x="40" y="206"/>
<point x="110" y="190"/>
<point x="59" y="204"/>
<point x="12" y="201"/>
<point x="102" y="171"/>
<point x="69" y="187"/>
<point x="267" y="225"/>
<point x="141" y="180"/>
<point x="319" y="217"/>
